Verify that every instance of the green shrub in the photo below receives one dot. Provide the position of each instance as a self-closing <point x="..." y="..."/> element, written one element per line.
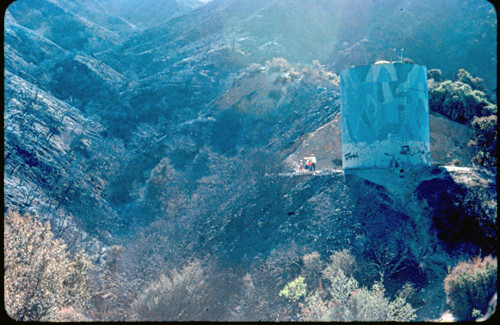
<point x="294" y="290"/>
<point x="345" y="300"/>
<point x="485" y="140"/>
<point x="475" y="82"/>
<point x="435" y="74"/>
<point x="459" y="101"/>
<point x="470" y="285"/>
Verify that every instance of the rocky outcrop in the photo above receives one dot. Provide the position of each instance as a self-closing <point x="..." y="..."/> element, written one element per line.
<point x="462" y="205"/>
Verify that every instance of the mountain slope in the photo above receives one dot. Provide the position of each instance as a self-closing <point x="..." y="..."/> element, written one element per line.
<point x="337" y="33"/>
<point x="447" y="35"/>
<point x="55" y="22"/>
<point x="170" y="133"/>
<point x="147" y="13"/>
<point x="57" y="162"/>
<point x="26" y="51"/>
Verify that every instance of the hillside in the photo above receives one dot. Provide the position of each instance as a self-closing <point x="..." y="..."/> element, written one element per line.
<point x="161" y="144"/>
<point x="57" y="161"/>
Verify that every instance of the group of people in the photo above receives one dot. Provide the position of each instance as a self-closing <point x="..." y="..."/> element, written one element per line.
<point x="308" y="164"/>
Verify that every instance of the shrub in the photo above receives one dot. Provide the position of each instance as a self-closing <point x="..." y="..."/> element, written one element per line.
<point x="373" y="305"/>
<point x="340" y="260"/>
<point x="294" y="290"/>
<point x="316" y="308"/>
<point x="181" y="296"/>
<point x="252" y="304"/>
<point x="278" y="65"/>
<point x="485" y="140"/>
<point x="312" y="269"/>
<point x="254" y="69"/>
<point x="459" y="101"/>
<point x="475" y="82"/>
<point x="435" y="74"/>
<point x="260" y="300"/>
<point x="345" y="300"/>
<point x="312" y="261"/>
<point x="470" y="285"/>
<point x="41" y="280"/>
<point x="348" y="302"/>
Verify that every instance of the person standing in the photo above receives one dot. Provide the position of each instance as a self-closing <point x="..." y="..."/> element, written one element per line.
<point x="313" y="163"/>
<point x="301" y="166"/>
